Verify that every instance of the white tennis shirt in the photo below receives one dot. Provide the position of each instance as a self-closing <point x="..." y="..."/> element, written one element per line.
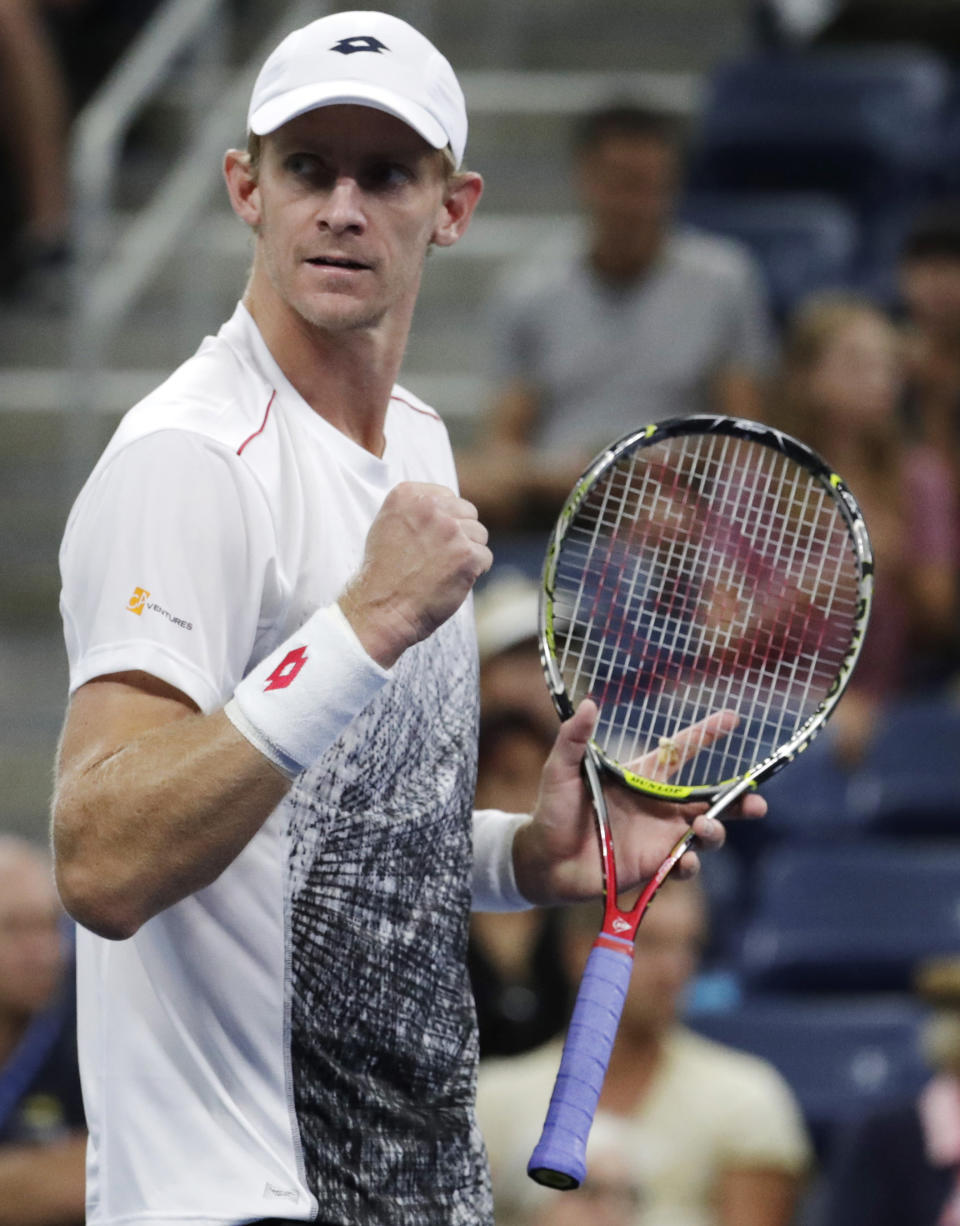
<point x="297" y="1039"/>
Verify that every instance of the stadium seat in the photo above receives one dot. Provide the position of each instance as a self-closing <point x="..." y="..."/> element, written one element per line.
<point x="907" y="786"/>
<point x="814" y="797"/>
<point x="803" y="242"/>
<point x="911" y="779"/>
<point x="841" y="1056"/>
<point x="850" y="917"/>
<point x="861" y="126"/>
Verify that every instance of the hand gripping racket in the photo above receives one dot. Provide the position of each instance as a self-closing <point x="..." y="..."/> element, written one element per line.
<point x="704" y="565"/>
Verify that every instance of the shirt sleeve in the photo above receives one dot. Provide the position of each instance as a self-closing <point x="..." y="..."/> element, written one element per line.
<point x="766" y="1126"/>
<point x="164" y="564"/>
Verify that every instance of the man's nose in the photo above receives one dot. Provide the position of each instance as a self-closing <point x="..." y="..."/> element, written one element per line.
<point x="342" y="209"/>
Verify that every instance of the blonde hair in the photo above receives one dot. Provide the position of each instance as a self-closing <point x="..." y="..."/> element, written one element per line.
<point x="795" y="409"/>
<point x="940" y="1041"/>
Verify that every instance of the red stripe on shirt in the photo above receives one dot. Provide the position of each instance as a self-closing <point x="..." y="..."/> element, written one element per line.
<point x="263" y="424"/>
<point x="417" y="409"/>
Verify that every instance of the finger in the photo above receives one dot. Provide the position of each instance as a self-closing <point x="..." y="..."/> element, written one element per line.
<point x="752" y="805"/>
<point x="475" y="531"/>
<point x="687" y="866"/>
<point x="674" y="751"/>
<point x="484" y="560"/>
<point x="571" y="741"/>
<point x="711" y="834"/>
<point x="460" y="508"/>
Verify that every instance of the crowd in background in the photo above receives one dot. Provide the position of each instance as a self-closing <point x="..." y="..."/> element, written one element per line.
<point x="649" y="319"/>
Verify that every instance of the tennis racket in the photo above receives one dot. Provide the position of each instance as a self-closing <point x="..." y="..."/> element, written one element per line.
<point x="707" y="572"/>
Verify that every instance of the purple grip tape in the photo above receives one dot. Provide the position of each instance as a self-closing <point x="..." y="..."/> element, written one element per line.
<point x="559" y="1160"/>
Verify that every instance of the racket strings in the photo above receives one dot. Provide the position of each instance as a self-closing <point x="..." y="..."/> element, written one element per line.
<point x="706" y="573"/>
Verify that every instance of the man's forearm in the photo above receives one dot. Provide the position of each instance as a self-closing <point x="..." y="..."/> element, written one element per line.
<point x="162" y="816"/>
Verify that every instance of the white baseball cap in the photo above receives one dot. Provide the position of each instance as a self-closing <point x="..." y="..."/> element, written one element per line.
<point x="364" y="59"/>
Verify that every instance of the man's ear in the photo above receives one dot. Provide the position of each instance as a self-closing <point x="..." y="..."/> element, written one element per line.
<point x="243" y="186"/>
<point x="462" y="197"/>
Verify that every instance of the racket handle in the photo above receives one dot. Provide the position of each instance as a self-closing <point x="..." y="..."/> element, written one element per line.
<point x="559" y="1160"/>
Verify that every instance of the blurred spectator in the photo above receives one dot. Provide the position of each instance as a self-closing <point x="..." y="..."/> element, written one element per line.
<point x="930" y="289"/>
<point x="609" y="1196"/>
<point x="901" y="1163"/>
<point x="519" y="985"/>
<point x="42" y="1137"/>
<point x="712" y="1136"/>
<point x="840" y="390"/>
<point x="647" y="321"/>
<point x="520" y="988"/>
<point x="511" y="675"/>
<point x="53" y="54"/>
<point x="37" y="108"/>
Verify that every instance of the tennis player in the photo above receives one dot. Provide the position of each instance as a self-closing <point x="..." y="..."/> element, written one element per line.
<point x="262" y="816"/>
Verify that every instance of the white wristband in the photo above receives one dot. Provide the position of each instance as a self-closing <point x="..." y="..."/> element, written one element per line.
<point x="494" y="884"/>
<point x="297" y="701"/>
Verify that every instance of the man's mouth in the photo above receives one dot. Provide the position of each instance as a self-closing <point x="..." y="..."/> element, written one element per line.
<point x="334" y="261"/>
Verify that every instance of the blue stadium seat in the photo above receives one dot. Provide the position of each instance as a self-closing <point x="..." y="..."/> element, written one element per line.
<point x="803" y="242"/>
<point x="850" y="917"/>
<point x="841" y="1056"/>
<point x="907" y="786"/>
<point x="863" y="126"/>
<point x="911" y="779"/>
<point x="947" y="172"/>
<point x="814" y="797"/>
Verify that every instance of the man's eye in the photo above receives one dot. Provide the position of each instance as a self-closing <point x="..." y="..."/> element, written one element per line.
<point x="384" y="175"/>
<point x="304" y="164"/>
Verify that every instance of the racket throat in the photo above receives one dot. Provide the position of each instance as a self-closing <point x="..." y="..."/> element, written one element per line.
<point x="618" y="944"/>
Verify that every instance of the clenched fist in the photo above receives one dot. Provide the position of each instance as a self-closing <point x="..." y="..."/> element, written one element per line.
<point x="424" y="552"/>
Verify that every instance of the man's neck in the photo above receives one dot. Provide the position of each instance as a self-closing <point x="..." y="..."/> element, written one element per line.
<point x="345" y="377"/>
<point x="620" y="269"/>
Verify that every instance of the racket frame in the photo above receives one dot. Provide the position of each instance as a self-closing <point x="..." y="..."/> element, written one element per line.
<point x="559" y="1160"/>
<point x="833" y="484"/>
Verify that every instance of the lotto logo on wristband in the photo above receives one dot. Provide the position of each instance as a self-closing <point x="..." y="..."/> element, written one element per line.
<point x="287" y="670"/>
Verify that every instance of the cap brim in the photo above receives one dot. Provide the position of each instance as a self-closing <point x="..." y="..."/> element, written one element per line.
<point x="280" y="110"/>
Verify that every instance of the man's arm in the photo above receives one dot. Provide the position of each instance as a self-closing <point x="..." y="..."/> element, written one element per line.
<point x="43" y="1185"/>
<point x="154" y="800"/>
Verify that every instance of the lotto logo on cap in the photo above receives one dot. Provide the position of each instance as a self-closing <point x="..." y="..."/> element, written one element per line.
<point x="362" y="59"/>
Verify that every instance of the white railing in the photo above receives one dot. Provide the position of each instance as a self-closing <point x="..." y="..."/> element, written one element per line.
<point x="114" y="263"/>
<point x="113" y="269"/>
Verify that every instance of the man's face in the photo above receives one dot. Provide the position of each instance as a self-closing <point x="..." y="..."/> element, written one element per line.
<point x="931" y="288"/>
<point x="858" y="377"/>
<point x="31" y="956"/>
<point x="627" y="186"/>
<point x="668" y="947"/>
<point x="348" y="199"/>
